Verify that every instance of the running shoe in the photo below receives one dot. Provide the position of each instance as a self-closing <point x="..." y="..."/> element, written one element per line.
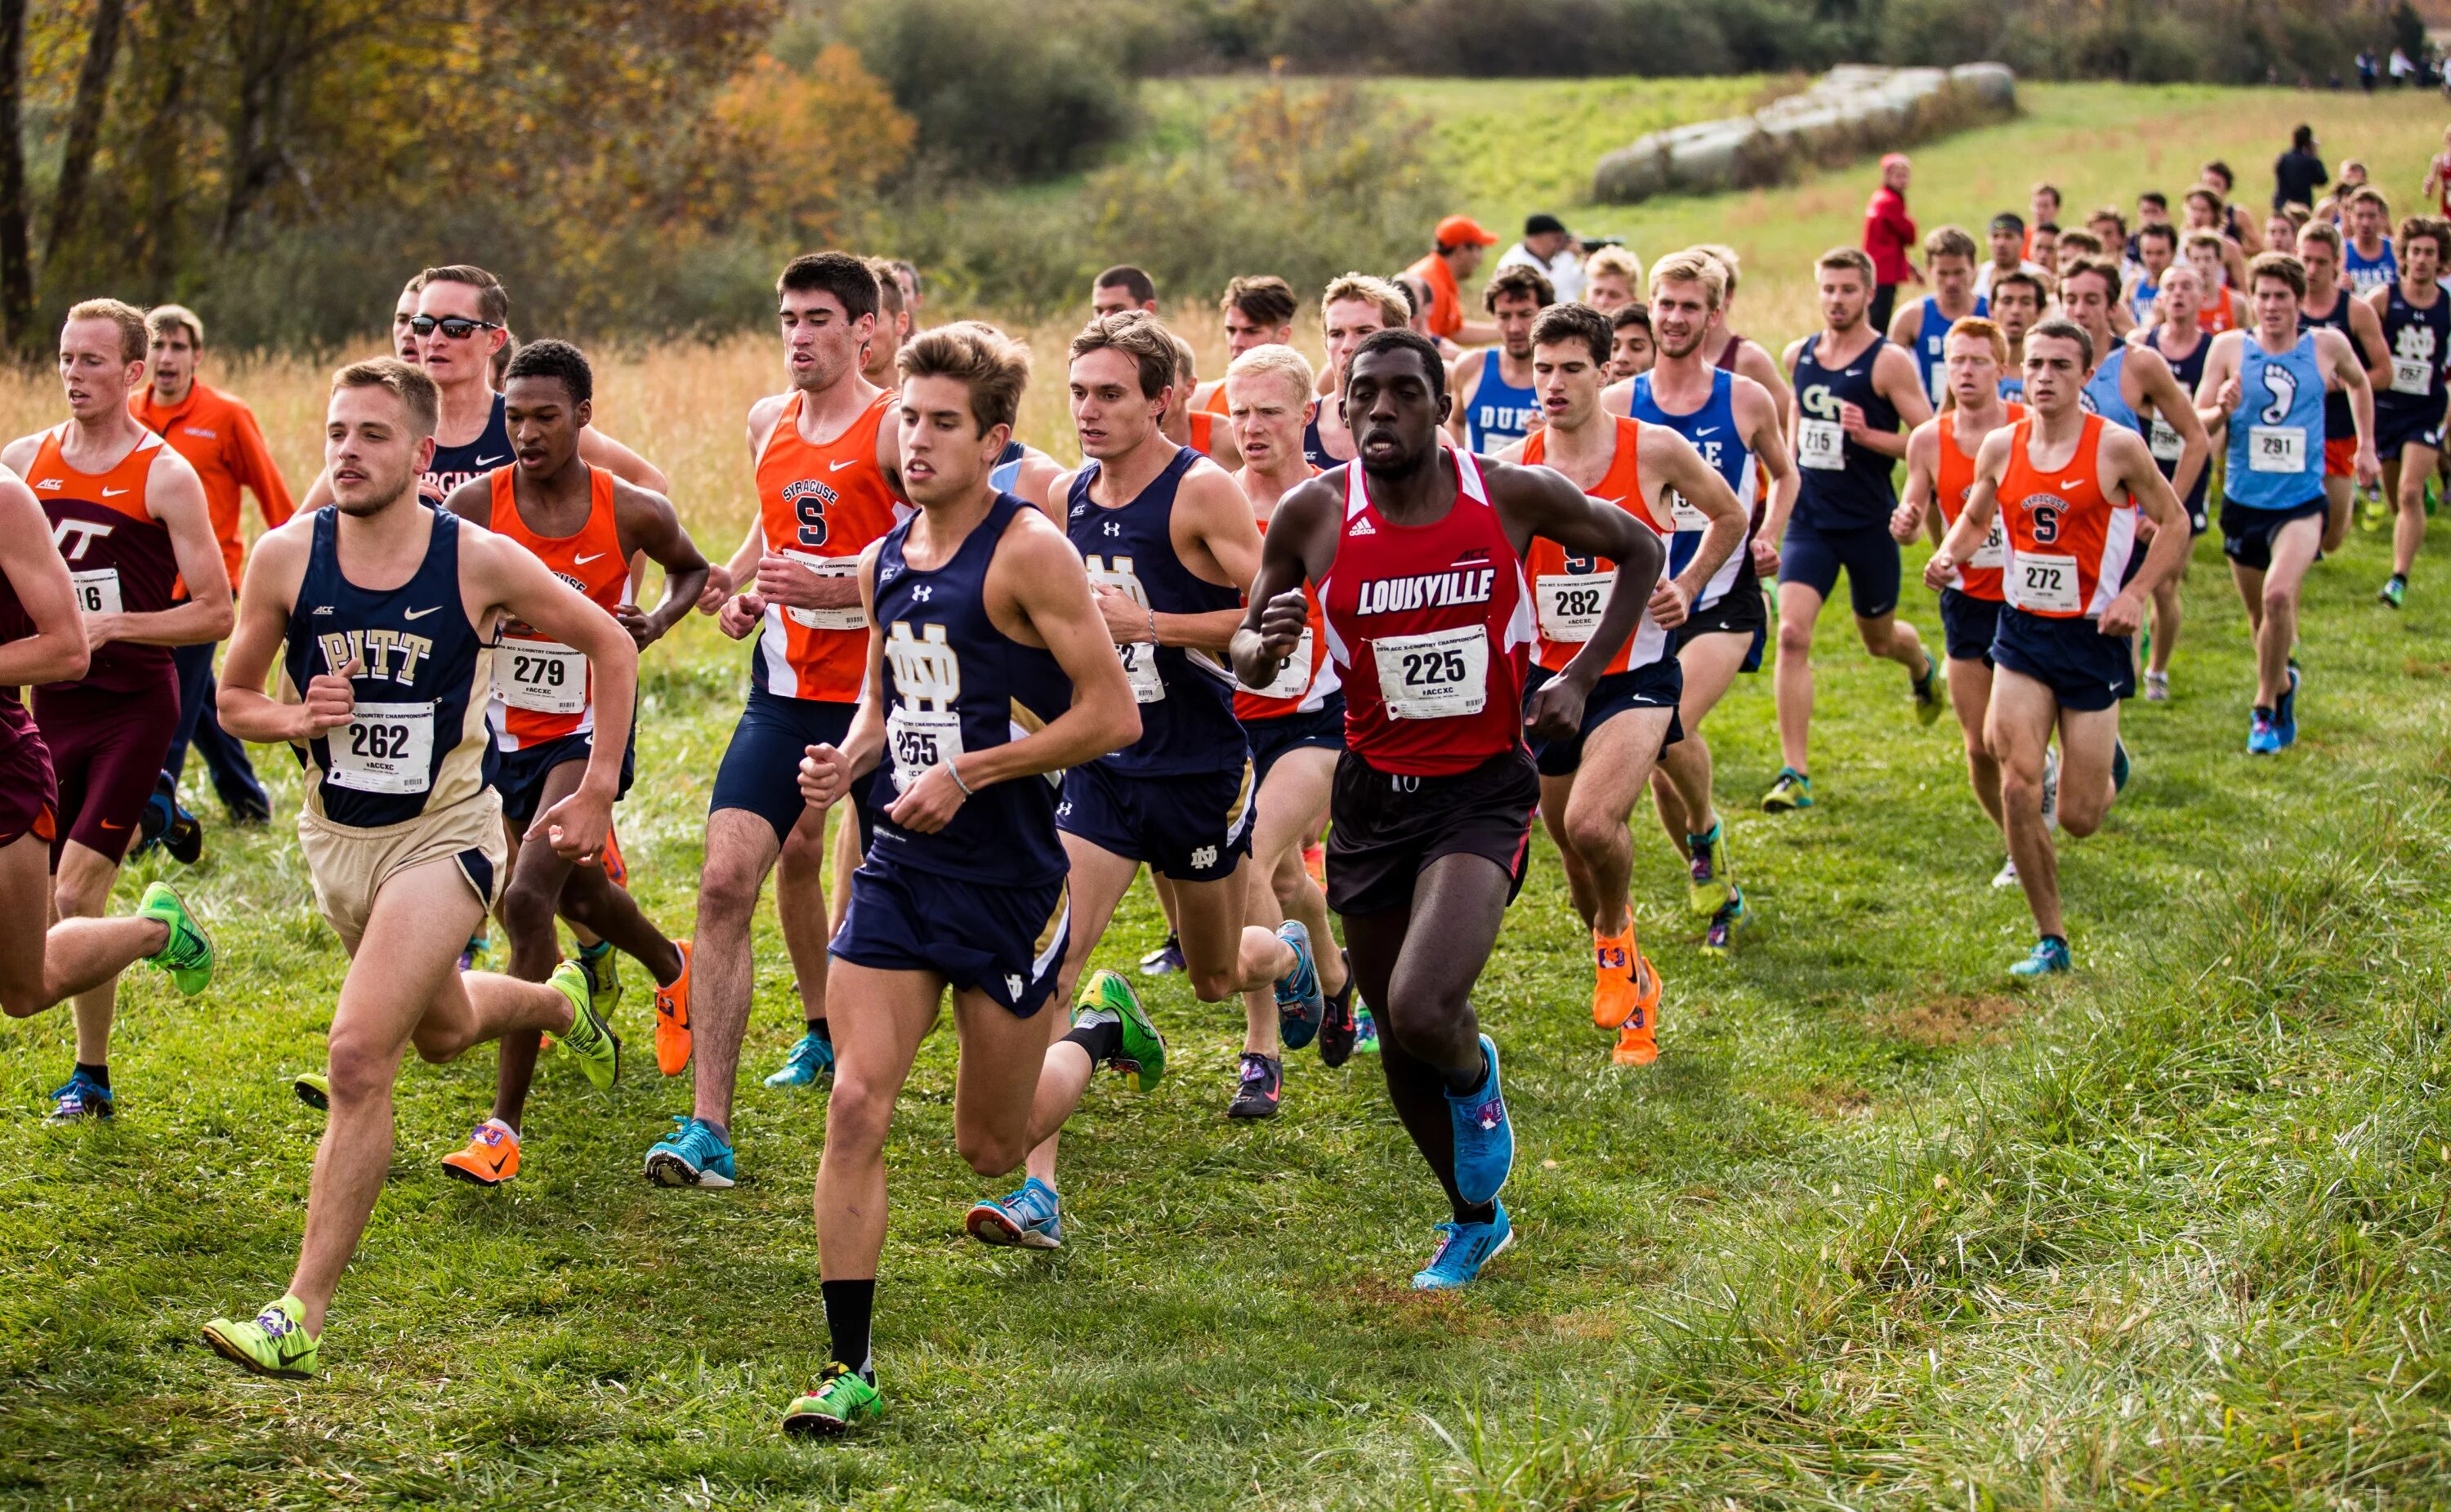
<point x="1793" y="790"/>
<point x="1166" y="958"/>
<point x="1927" y="691"/>
<point x="603" y="964"/>
<point x="2263" y="733"/>
<point x="491" y="1156"/>
<point x="1463" y="1250"/>
<point x="589" y="1038"/>
<point x="842" y="1401"/>
<point x="2393" y="593"/>
<point x="2285" y="713"/>
<point x="273" y="1342"/>
<point x="692" y="1155"/>
<point x="1484" y="1140"/>
<point x="1625" y="988"/>
<point x="2050" y="955"/>
<point x="179" y="833"/>
<point x="2051" y="787"/>
<point x="80" y="1096"/>
<point x="1337" y="1029"/>
<point x="1107" y="998"/>
<point x="1031" y="1218"/>
<point x="314" y="1089"/>
<point x="187" y="952"/>
<point x="1721" y="937"/>
<point x="2120" y="767"/>
<point x="811" y="1061"/>
<point x="1261" y="1086"/>
<point x="2007" y="876"/>
<point x="1365" y="1031"/>
<point x="2157" y="687"/>
<point x="1706" y="887"/>
<point x="673" y="1020"/>
<point x="1301" y="1006"/>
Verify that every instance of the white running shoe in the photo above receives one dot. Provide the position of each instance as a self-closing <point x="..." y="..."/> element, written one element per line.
<point x="2157" y="687"/>
<point x="2007" y="876"/>
<point x="2050" y="788"/>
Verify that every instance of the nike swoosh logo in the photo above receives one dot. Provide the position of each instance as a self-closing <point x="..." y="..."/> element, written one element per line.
<point x="581" y="561"/>
<point x="107" y="825"/>
<point x="488" y="462"/>
<point x="838" y="466"/>
<point x="1705" y="430"/>
<point x="417" y="613"/>
<point x="112" y="493"/>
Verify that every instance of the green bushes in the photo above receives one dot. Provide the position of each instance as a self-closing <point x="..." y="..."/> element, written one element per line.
<point x="1000" y="91"/>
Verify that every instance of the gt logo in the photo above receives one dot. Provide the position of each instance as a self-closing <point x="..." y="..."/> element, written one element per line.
<point x="1205" y="857"/>
<point x="1817" y="400"/>
<point x="86" y="531"/>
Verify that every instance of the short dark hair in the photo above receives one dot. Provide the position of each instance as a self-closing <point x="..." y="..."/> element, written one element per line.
<point x="2009" y="221"/>
<point x="1411" y="340"/>
<point x="412" y="387"/>
<point x="2046" y="229"/>
<point x="1137" y="336"/>
<point x="1131" y="280"/>
<point x="1265" y="298"/>
<point x="1635" y="314"/>
<point x="2162" y="229"/>
<point x="1560" y="324"/>
<point x="2154" y="197"/>
<point x="552" y="359"/>
<point x="2302" y="139"/>
<point x="2217" y="166"/>
<point x="847" y="278"/>
<point x="2067" y="330"/>
<point x="2018" y="275"/>
<point x="2281" y="266"/>
<point x="2100" y="267"/>
<point x="1515" y="281"/>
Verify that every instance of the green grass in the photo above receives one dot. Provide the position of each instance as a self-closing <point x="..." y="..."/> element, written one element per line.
<point x="1878" y="1231"/>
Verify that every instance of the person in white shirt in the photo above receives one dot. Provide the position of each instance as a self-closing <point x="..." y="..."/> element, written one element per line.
<point x="1550" y="248"/>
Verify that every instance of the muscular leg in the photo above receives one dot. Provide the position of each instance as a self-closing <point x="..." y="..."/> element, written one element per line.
<point x="2166" y="619"/>
<point x="1969" y="696"/>
<point x="801" y="908"/>
<point x="740" y="850"/>
<point x="38" y="970"/>
<point x="1893" y="640"/>
<point x="2019" y="731"/>
<point x="1290" y="804"/>
<point x="879" y="1020"/>
<point x="1555" y="793"/>
<point x="2087" y="739"/>
<point x="2340" y="498"/>
<point x="2276" y="629"/>
<point x="1099" y="880"/>
<point x="1681" y="783"/>
<point x="1792" y="680"/>
<point x="1617" y="761"/>
<point x="2250" y="583"/>
<point x="80" y="890"/>
<point x="2408" y="531"/>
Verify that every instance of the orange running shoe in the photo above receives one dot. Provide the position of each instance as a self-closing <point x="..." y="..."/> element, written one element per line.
<point x="1637" y="1044"/>
<point x="671" y="1019"/>
<point x="1314" y="862"/>
<point x="491" y="1156"/>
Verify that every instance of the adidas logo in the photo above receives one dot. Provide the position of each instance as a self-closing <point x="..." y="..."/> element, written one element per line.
<point x="1363" y="527"/>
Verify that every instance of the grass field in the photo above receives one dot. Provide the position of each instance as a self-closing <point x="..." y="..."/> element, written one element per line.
<point x="1878" y="1231"/>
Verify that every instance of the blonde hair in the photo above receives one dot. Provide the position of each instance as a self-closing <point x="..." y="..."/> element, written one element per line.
<point x="410" y="385"/>
<point x="1692" y="265"/>
<point x="992" y="366"/>
<point x="130" y="319"/>
<point x="2206" y="236"/>
<point x="1393" y="306"/>
<point x="1728" y="262"/>
<point x="163" y="318"/>
<point x="1951" y="240"/>
<point x="1273" y="359"/>
<point x="1615" y="259"/>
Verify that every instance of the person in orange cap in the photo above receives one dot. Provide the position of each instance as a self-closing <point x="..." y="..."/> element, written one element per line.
<point x="1461" y="244"/>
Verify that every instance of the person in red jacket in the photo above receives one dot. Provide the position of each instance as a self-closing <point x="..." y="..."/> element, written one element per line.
<point x="1889" y="239"/>
<point x="218" y="436"/>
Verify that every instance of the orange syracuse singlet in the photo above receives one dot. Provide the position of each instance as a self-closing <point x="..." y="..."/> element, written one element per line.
<point x="1568" y="593"/>
<point x="541" y="688"/>
<point x="821" y="503"/>
<point x="2069" y="543"/>
<point x="1952" y="478"/>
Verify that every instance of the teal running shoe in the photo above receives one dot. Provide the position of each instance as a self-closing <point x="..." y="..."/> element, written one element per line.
<point x="1301" y="1006"/>
<point x="811" y="1061"/>
<point x="2263" y="733"/>
<point x="274" y="1342"/>
<point x="1031" y="1218"/>
<point x="80" y="1097"/>
<point x="693" y="1156"/>
<point x="1107" y="998"/>
<point x="1462" y="1251"/>
<point x="2048" y="957"/>
<point x="1484" y="1137"/>
<point x="187" y="954"/>
<point x="1793" y="790"/>
<point x="842" y="1401"/>
<point x="2285" y="713"/>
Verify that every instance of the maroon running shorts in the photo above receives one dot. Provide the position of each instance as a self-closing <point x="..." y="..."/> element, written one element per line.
<point x="30" y="796"/>
<point x="107" y="748"/>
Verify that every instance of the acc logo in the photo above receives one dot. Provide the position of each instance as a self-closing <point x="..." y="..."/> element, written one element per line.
<point x="926" y="671"/>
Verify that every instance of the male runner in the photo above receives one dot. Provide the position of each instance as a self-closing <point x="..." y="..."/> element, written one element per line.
<point x="1853" y="388"/>
<point x="2042" y="208"/>
<point x="1454" y="254"/>
<point x="2183" y="345"/>
<point x="1589" y="781"/>
<point x="1940" y="469"/>
<point x="1734" y="423"/>
<point x="989" y="672"/>
<point x="1495" y="404"/>
<point x="2368" y="262"/>
<point x="129" y="516"/>
<point x="1166" y="537"/>
<point x="1201" y="430"/>
<point x="828" y="488"/>
<point x="1256" y="311"/>
<point x="2223" y="307"/>
<point x="2157" y="249"/>
<point x="585" y="525"/>
<point x="1742" y="354"/>
<point x="2269" y="386"/>
<point x="1922" y="328"/>
<point x="1352" y="308"/>
<point x="1632" y="349"/>
<point x="892" y="327"/>
<point x="1612" y="280"/>
<point x="2409" y="408"/>
<point x="218" y="434"/>
<point x="2067" y="486"/>
<point x="2208" y="210"/>
<point x="2007" y="235"/>
<point x="1417" y="552"/>
<point x="1120" y="288"/>
<point x="382" y="613"/>
<point x="2329" y="303"/>
<point x="2017" y="305"/>
<point x="2131" y="384"/>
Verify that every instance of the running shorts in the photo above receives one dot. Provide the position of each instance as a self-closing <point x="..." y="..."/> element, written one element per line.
<point x="1006" y="941"/>
<point x="349" y="865"/>
<point x="1868" y="557"/>
<point x="1969" y="625"/>
<point x="1739" y="612"/>
<point x="29" y="792"/>
<point x="519" y="776"/>
<point x="1194" y="827"/>
<point x="2248" y="534"/>
<point x="2084" y="669"/>
<point x="106" y="749"/>
<point x="1321" y="730"/>
<point x="1659" y="685"/>
<point x="1384" y="827"/>
<point x="760" y="771"/>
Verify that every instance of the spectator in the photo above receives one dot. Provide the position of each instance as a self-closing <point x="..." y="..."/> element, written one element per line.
<point x="2366" y="69"/>
<point x="2298" y="174"/>
<point x="1554" y="251"/>
<point x="1889" y="235"/>
<point x="1459" y="246"/>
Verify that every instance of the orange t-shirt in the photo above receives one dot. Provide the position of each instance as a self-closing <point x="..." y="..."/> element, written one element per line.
<point x="1953" y="479"/>
<point x="822" y="504"/>
<point x="218" y="434"/>
<point x="1445" y="316"/>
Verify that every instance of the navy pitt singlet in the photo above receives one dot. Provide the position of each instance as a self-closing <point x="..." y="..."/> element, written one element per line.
<point x="454" y="465"/>
<point x="1187" y="697"/>
<point x="1845" y="486"/>
<point x="955" y="683"/>
<point x="418" y="742"/>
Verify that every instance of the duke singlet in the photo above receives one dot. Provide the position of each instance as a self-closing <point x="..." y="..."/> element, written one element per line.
<point x="2102" y="394"/>
<point x="416" y="742"/>
<point x="1931" y="344"/>
<point x="541" y="687"/>
<point x="2362" y="273"/>
<point x="120" y="558"/>
<point x="1846" y="486"/>
<point x="1186" y="696"/>
<point x="955" y="683"/>
<point x="1497" y="412"/>
<point x="1713" y="431"/>
<point x="454" y="465"/>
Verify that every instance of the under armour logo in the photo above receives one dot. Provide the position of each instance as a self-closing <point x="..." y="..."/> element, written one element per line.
<point x="1113" y="529"/>
<point x="922" y="593"/>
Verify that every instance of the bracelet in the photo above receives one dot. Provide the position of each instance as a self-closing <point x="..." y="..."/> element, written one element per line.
<point x="1152" y="613"/>
<point x="955" y="773"/>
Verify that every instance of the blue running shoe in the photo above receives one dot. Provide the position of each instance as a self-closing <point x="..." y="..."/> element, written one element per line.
<point x="1484" y="1141"/>
<point x="811" y="1061"/>
<point x="2284" y="715"/>
<point x="1463" y="1248"/>
<point x="1029" y="1219"/>
<point x="2050" y="956"/>
<point x="1301" y="1006"/>
<point x="692" y="1155"/>
<point x="2263" y="733"/>
<point x="80" y="1096"/>
<point x="2118" y="770"/>
<point x="1366" y="1030"/>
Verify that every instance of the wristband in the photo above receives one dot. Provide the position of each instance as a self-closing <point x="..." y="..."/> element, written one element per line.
<point x="955" y="773"/>
<point x="1152" y="613"/>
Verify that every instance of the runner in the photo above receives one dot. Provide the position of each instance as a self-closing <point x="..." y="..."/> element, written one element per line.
<point x="2273" y="381"/>
<point x="1853" y="388"/>
<point x="1591" y="779"/>
<point x="989" y="675"/>
<point x="2041" y="209"/>
<point x="218" y="434"/>
<point x="1352" y="308"/>
<point x="892" y="327"/>
<point x="1256" y="311"/>
<point x="2329" y="304"/>
<point x="2131" y="385"/>
<point x="1612" y="280"/>
<point x="1122" y="288"/>
<point x="1632" y="349"/>
<point x="1296" y="727"/>
<point x="1167" y="536"/>
<point x="2068" y="487"/>
<point x="2235" y="224"/>
<point x="1734" y="423"/>
<point x="2409" y="410"/>
<point x="1459" y="246"/>
<point x="2437" y="177"/>
<point x="2017" y="307"/>
<point x="2368" y="262"/>
<point x="1496" y="403"/>
<point x="2007" y="240"/>
<point x="2224" y="309"/>
<point x="1922" y="328"/>
<point x="2208" y="210"/>
<point x="2182" y="345"/>
<point x="829" y="486"/>
<point x="1940" y="470"/>
<point x="405" y="344"/>
<point x="2157" y="249"/>
<point x="129" y="516"/>
<point x="2043" y="246"/>
<point x="1201" y="430"/>
<point x="402" y="835"/>
<point x="1417" y="556"/>
<point x="585" y="525"/>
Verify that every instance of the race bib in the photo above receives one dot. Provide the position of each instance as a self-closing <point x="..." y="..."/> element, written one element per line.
<point x="852" y="617"/>
<point x="1140" y="666"/>
<point x="2276" y="449"/>
<point x="1993" y="551"/>
<point x="2047" y="584"/>
<point x="1437" y="674"/>
<point x="1683" y="516"/>
<point x="921" y="739"/>
<point x="2165" y="442"/>
<point x="1293" y="679"/>
<point x="1569" y="603"/>
<point x="1820" y="444"/>
<point x="384" y="748"/>
<point x="97" y="592"/>
<point x="2412" y="375"/>
<point x="542" y="677"/>
<point x="1939" y="383"/>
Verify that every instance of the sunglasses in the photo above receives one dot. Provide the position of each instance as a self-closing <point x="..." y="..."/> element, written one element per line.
<point x="458" y="327"/>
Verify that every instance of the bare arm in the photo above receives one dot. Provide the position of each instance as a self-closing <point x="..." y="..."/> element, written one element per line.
<point x="1216" y="537"/>
<point x="1754" y="362"/>
<point x="1537" y="502"/>
<point x="2126" y="462"/>
<point x="175" y="496"/>
<point x="2350" y="375"/>
<point x="1672" y="459"/>
<point x="1298" y="548"/>
<point x="56" y="652"/>
<point x="1974" y="524"/>
<point x="1758" y="411"/>
<point x="508" y="577"/>
<point x="1893" y="378"/>
<point x="1923" y="461"/>
<point x="599" y="450"/>
<point x="473" y="501"/>
<point x="1460" y="384"/>
<point x="1042" y="573"/>
<point x="648" y="523"/>
<point x="2160" y="386"/>
<point x="274" y="569"/>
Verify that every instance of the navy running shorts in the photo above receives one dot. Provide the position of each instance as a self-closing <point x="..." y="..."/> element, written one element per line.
<point x="1869" y="556"/>
<point x="1385" y="828"/>
<point x="519" y="776"/>
<point x="1969" y="625"/>
<point x="1193" y="826"/>
<point x="2247" y="533"/>
<point x="1321" y="730"/>
<point x="1739" y="612"/>
<point x="1004" y="940"/>
<point x="2396" y="428"/>
<point x="1660" y="686"/>
<point x="2084" y="669"/>
<point x="760" y="771"/>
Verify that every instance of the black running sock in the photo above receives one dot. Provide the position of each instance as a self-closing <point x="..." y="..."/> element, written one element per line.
<point x="849" y="1305"/>
<point x="99" y="1076"/>
<point x="1700" y="844"/>
<point x="818" y="1027"/>
<point x="1102" y="1042"/>
<point x="2062" y="939"/>
<point x="1466" y="1082"/>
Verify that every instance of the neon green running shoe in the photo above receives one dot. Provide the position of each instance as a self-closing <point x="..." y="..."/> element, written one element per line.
<point x="604" y="969"/>
<point x="597" y="1047"/>
<point x="1107" y="998"/>
<point x="314" y="1089"/>
<point x="1707" y="879"/>
<point x="1928" y="691"/>
<point x="1793" y="790"/>
<point x="842" y="1400"/>
<point x="187" y="954"/>
<point x="275" y="1343"/>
